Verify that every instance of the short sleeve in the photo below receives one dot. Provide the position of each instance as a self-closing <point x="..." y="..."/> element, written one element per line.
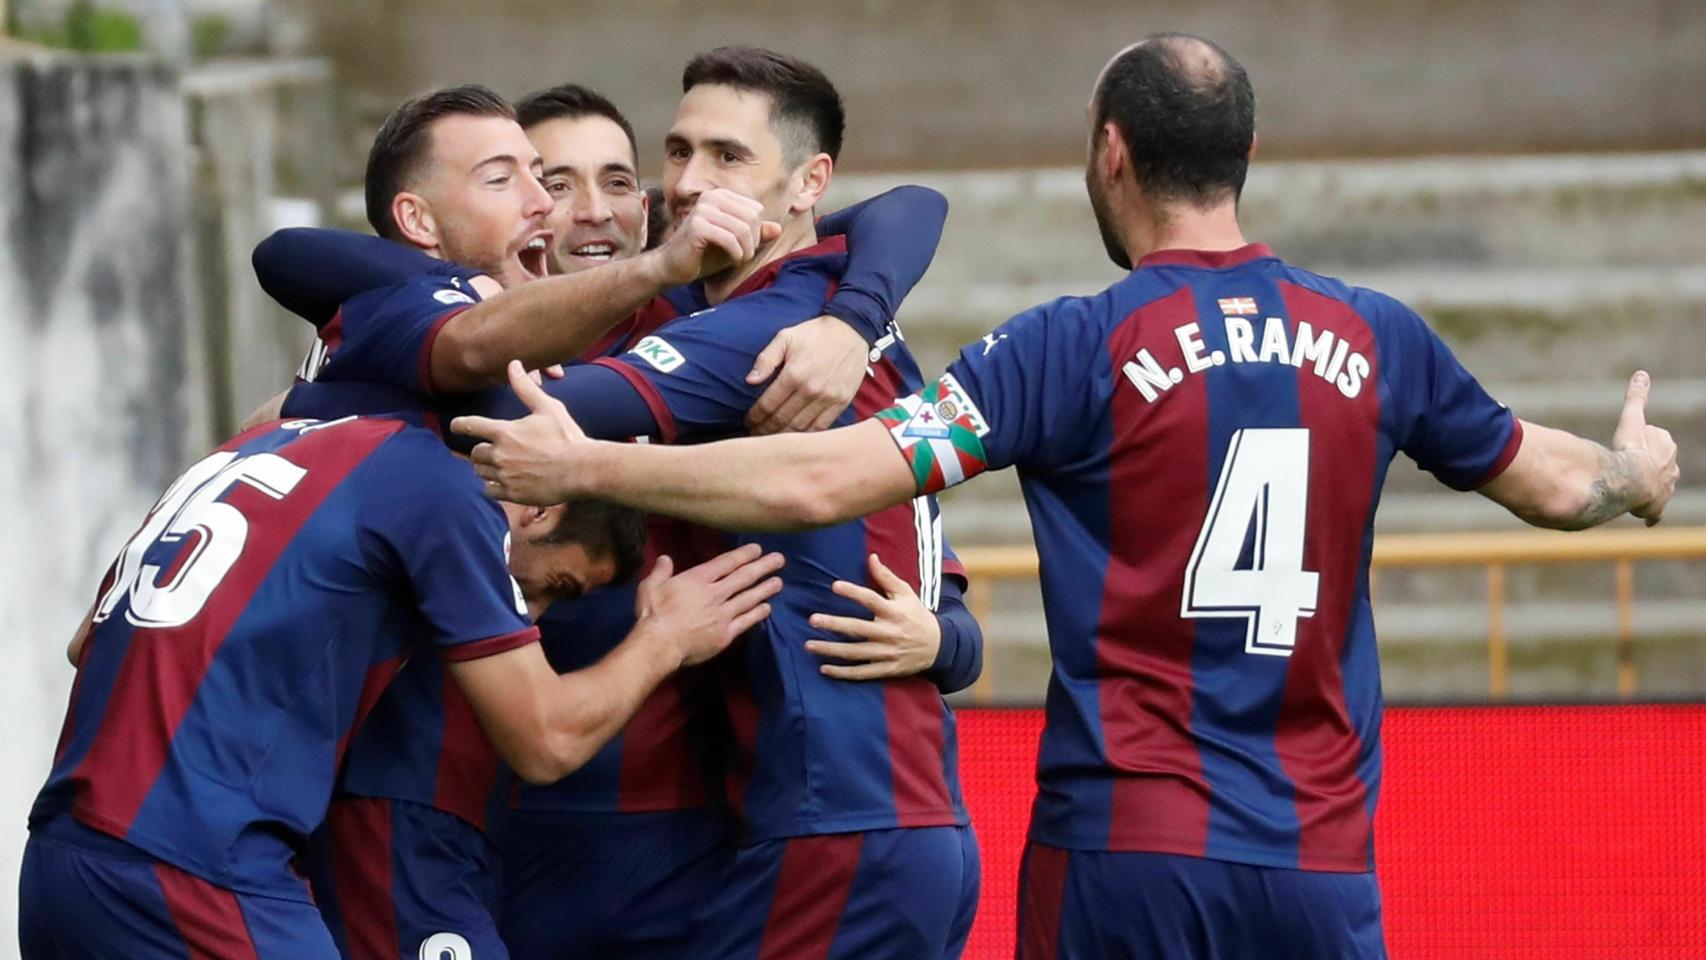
<point x="692" y="372"/>
<point x="386" y="336"/>
<point x="426" y="518"/>
<point x="1019" y="395"/>
<point x="1445" y="420"/>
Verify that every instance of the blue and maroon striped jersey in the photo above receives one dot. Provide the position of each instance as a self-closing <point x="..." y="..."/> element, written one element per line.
<point x="812" y="754"/>
<point x="1201" y="448"/>
<point x="254" y="618"/>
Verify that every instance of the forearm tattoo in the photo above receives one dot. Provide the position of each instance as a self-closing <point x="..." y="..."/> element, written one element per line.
<point x="1614" y="489"/>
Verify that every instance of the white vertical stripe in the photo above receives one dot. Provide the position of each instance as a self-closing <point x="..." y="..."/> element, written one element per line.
<point x="929" y="539"/>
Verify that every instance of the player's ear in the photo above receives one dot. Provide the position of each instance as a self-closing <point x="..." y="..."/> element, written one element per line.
<point x="413" y="216"/>
<point x="541" y="520"/>
<point x="814" y="178"/>
<point x="645" y="218"/>
<point x="1255" y="138"/>
<point x="1114" y="158"/>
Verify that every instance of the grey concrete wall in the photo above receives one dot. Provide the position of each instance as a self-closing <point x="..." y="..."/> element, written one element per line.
<point x="100" y="382"/>
<point x="135" y="335"/>
<point x="1003" y="83"/>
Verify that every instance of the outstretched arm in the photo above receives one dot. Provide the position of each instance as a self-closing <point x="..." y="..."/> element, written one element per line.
<point x="1565" y="482"/>
<point x="750" y="484"/>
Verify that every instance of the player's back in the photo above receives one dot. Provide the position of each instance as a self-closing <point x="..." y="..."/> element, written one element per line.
<point x="260" y="610"/>
<point x="1201" y="448"/>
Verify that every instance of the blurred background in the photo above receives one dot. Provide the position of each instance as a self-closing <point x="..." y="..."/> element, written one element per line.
<point x="1531" y="174"/>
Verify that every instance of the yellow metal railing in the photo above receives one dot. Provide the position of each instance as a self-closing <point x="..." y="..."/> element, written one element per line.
<point x="1494" y="552"/>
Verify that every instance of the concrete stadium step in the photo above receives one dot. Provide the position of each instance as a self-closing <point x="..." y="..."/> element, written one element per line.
<point x="1531" y="324"/>
<point x="1587" y="210"/>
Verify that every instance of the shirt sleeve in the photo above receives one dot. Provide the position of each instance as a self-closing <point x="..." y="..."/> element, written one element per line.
<point x="312" y="271"/>
<point x="331" y="401"/>
<point x="1020" y="395"/>
<point x="1445" y="420"/>
<point x="959" y="661"/>
<point x="692" y="371"/>
<point x="428" y="522"/>
<point x="604" y="403"/>
<point x="891" y="239"/>
<point x="386" y="336"/>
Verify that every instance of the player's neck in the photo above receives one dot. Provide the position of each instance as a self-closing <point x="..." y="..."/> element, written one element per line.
<point x="1187" y="228"/>
<point x="798" y="233"/>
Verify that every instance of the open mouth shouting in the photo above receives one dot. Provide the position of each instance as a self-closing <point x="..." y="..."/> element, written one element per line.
<point x="532" y="256"/>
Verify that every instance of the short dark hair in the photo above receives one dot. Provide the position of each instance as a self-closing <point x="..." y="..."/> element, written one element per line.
<point x="404" y="143"/>
<point x="603" y="529"/>
<point x="571" y="101"/>
<point x="805" y="108"/>
<point x="657" y="216"/>
<point x="1187" y="113"/>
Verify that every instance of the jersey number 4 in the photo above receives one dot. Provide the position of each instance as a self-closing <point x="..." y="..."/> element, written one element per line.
<point x="205" y="537"/>
<point x="1248" y="561"/>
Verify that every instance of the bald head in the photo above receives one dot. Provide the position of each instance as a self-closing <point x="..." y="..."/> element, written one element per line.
<point x="1187" y="114"/>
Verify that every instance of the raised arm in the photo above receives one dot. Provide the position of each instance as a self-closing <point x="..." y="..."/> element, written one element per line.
<point x="546" y="725"/>
<point x="554" y="319"/>
<point x="1565" y="482"/>
<point x="891" y="239"/>
<point x="312" y="271"/>
<point x="819" y="364"/>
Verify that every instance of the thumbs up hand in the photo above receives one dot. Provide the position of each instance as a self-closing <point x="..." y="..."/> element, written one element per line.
<point x="1652" y="449"/>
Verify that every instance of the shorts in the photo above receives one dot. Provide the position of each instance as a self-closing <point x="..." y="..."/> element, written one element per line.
<point x="1091" y="905"/>
<point x="400" y="879"/>
<point x="608" y="885"/>
<point x="904" y="894"/>
<point x="84" y="895"/>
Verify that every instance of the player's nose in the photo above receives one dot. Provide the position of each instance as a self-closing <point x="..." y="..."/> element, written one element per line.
<point x="535" y="201"/>
<point x="591" y="206"/>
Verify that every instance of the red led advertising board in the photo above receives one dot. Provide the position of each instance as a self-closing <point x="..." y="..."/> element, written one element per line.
<point x="1502" y="832"/>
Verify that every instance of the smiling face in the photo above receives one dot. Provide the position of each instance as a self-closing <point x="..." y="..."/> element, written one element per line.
<point x="478" y="201"/>
<point x="598" y="211"/>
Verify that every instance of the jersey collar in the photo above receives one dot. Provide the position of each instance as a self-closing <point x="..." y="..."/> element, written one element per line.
<point x="1206" y="259"/>
<point x="766" y="274"/>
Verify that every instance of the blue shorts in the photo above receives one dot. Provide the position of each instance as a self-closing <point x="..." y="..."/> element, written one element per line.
<point x="906" y="894"/>
<point x="84" y="895"/>
<point x="1083" y="905"/>
<point x="401" y="879"/>
<point x="608" y="885"/>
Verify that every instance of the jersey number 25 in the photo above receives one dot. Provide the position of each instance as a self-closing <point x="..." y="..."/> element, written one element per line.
<point x="208" y="536"/>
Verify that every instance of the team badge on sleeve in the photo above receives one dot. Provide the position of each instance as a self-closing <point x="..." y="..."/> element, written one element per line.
<point x="940" y="432"/>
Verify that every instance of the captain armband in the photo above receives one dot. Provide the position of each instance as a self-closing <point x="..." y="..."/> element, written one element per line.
<point x="940" y="432"/>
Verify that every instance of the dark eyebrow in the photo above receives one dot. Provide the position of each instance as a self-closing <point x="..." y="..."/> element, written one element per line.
<point x="568" y="168"/>
<point x="504" y="159"/>
<point x="733" y="146"/>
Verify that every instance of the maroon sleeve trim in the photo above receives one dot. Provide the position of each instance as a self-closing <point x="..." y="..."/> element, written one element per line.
<point x="426" y="348"/>
<point x="489" y="647"/>
<point x="1505" y="457"/>
<point x="648" y="393"/>
<point x="954" y="568"/>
